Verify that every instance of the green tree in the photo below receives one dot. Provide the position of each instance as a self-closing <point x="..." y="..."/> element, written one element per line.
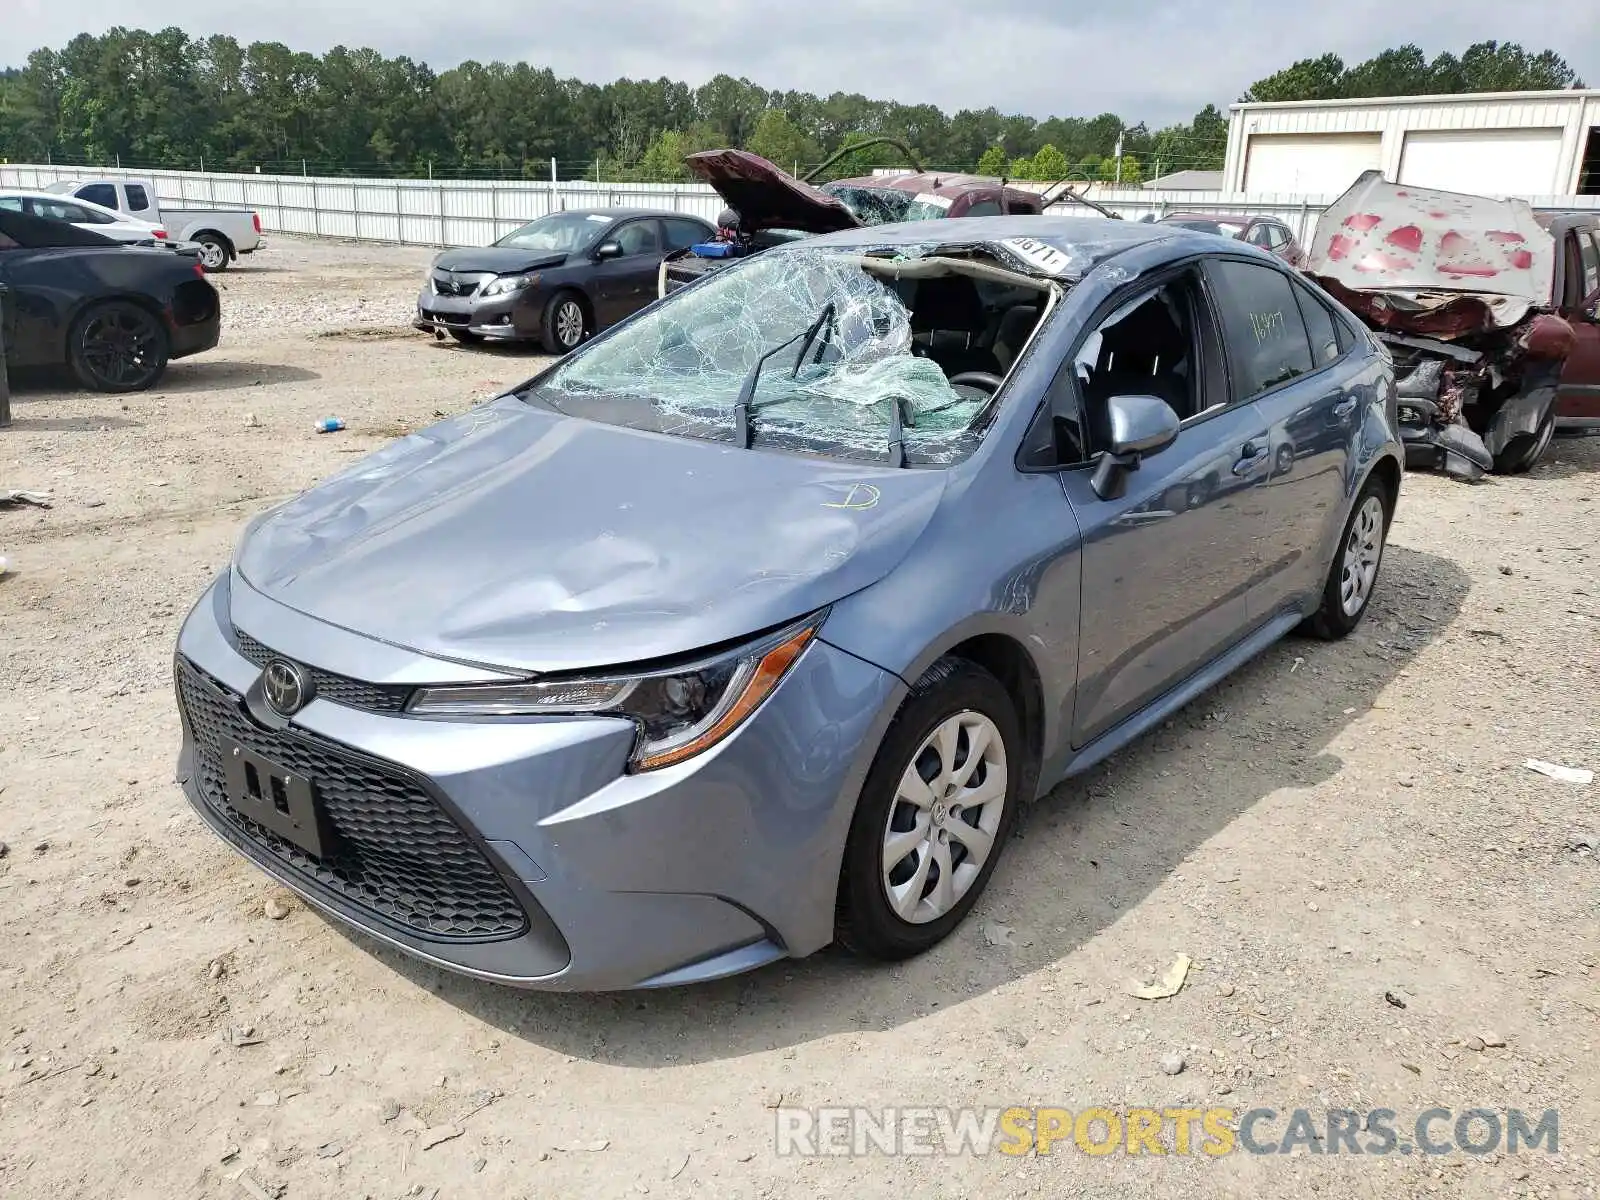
<point x="1049" y="164"/>
<point x="1022" y="168"/>
<point x="779" y="140"/>
<point x="992" y="161"/>
<point x="1309" y="79"/>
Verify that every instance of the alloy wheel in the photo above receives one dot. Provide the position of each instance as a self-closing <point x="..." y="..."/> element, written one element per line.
<point x="1362" y="552"/>
<point x="213" y="255"/>
<point x="122" y="346"/>
<point x="569" y="323"/>
<point x="944" y="818"/>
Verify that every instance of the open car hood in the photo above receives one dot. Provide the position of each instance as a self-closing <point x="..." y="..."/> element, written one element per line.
<point x="766" y="196"/>
<point x="1380" y="236"/>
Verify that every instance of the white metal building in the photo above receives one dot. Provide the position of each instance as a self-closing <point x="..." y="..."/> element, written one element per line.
<point x="1494" y="143"/>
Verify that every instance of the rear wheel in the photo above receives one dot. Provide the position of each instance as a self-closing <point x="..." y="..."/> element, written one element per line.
<point x="934" y="816"/>
<point x="565" y="323"/>
<point x="214" y="252"/>
<point x="117" y="347"/>
<point x="1524" y="452"/>
<point x="1354" y="574"/>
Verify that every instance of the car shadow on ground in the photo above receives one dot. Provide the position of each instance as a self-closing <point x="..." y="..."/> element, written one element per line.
<point x="1568" y="456"/>
<point x="216" y="375"/>
<point x="185" y="375"/>
<point x="86" y="424"/>
<point x="1084" y="856"/>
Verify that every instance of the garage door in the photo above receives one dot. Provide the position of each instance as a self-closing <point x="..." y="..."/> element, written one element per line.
<point x="1493" y="162"/>
<point x="1309" y="162"/>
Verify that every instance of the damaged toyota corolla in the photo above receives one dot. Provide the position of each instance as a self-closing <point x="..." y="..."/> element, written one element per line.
<point x="749" y="627"/>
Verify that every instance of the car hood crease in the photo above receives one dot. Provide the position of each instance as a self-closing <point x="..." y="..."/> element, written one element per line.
<point x="540" y="542"/>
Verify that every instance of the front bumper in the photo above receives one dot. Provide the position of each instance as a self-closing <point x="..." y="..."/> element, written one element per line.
<point x="512" y="317"/>
<point x="701" y="870"/>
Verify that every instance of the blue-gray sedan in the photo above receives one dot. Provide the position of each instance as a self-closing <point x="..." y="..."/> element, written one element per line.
<point x="749" y="626"/>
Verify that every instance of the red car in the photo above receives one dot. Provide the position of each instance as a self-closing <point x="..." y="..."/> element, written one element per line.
<point x="1490" y="311"/>
<point x="1271" y="234"/>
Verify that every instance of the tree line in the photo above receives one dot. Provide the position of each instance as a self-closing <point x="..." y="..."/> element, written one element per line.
<point x="165" y="99"/>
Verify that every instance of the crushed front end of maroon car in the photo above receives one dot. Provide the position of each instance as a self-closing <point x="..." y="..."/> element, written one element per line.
<point x="1458" y="288"/>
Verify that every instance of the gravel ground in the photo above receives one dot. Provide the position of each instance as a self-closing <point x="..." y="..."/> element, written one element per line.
<point x="1333" y="824"/>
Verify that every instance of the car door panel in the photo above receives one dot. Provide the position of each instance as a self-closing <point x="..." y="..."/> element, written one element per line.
<point x="625" y="285"/>
<point x="1166" y="568"/>
<point x="1578" y="396"/>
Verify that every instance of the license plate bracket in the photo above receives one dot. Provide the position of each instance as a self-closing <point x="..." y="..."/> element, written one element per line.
<point x="276" y="798"/>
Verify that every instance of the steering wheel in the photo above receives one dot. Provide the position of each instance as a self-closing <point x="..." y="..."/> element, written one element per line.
<point x="986" y="380"/>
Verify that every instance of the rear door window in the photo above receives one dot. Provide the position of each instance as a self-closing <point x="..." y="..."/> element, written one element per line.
<point x="984" y="208"/>
<point x="1262" y="325"/>
<point x="683" y="234"/>
<point x="1589" y="251"/>
<point x="1320" y="328"/>
<point x="138" y="197"/>
<point x="99" y="193"/>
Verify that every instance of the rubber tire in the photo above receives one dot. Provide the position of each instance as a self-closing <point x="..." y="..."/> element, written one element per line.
<point x="80" y="369"/>
<point x="1330" y="622"/>
<point x="864" y="924"/>
<point x="1525" y="452"/>
<point x="466" y="337"/>
<point x="209" y="240"/>
<point x="547" y="323"/>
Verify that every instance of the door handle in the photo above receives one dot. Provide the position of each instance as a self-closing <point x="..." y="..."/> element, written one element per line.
<point x="1255" y="457"/>
<point x="1345" y="407"/>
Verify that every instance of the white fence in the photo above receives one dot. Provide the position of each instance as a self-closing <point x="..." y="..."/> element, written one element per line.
<point x="476" y="212"/>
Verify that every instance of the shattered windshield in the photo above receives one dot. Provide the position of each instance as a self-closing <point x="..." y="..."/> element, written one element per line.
<point x="927" y="208"/>
<point x="560" y="233"/>
<point x="870" y="205"/>
<point x="841" y="350"/>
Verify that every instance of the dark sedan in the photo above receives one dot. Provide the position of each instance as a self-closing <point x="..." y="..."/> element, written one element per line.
<point x="557" y="280"/>
<point x="114" y="314"/>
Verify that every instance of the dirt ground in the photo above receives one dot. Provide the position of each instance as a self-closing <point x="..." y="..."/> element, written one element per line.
<point x="1335" y="823"/>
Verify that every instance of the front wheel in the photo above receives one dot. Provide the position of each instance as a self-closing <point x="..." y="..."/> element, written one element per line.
<point x="117" y="347"/>
<point x="214" y="254"/>
<point x="565" y="324"/>
<point x="1525" y="452"/>
<point x="1354" y="574"/>
<point x="934" y="816"/>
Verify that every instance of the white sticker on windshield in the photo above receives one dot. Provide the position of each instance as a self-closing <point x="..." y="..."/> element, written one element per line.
<point x="598" y="217"/>
<point x="932" y="198"/>
<point x="1038" y="255"/>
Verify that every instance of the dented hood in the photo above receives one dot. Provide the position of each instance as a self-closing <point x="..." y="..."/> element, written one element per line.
<point x="766" y="196"/>
<point x="1380" y="236"/>
<point x="515" y="537"/>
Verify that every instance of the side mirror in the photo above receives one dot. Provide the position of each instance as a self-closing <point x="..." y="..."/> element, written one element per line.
<point x="1140" y="425"/>
<point x="607" y="250"/>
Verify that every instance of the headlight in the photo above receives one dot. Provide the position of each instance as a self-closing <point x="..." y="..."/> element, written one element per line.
<point x="680" y="712"/>
<point x="502" y="284"/>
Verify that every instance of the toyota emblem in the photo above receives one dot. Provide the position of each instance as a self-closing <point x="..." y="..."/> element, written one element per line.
<point x="284" y="686"/>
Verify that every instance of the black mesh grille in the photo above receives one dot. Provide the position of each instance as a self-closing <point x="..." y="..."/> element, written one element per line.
<point x="396" y="854"/>
<point x="340" y="689"/>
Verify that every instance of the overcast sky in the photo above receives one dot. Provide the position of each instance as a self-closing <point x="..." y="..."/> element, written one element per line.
<point x="1158" y="60"/>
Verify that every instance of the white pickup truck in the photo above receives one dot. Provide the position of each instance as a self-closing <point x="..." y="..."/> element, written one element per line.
<point x="222" y="234"/>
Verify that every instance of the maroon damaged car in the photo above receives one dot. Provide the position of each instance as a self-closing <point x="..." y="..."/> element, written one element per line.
<point x="1490" y="311"/>
<point x="768" y="206"/>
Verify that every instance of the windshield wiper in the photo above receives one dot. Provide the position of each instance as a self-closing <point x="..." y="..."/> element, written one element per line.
<point x="742" y="407"/>
<point x="897" y="430"/>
